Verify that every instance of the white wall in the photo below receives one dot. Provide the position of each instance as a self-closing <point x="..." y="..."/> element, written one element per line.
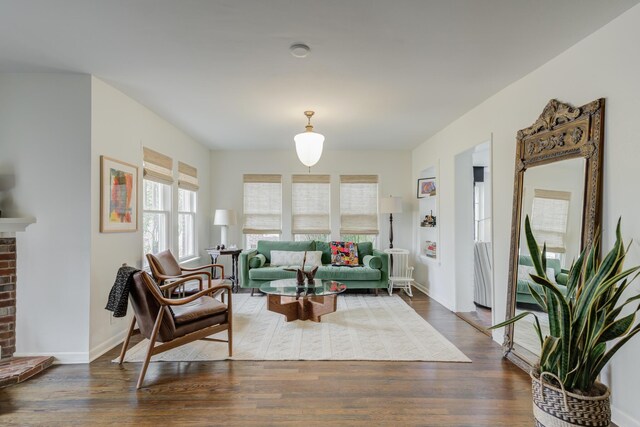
<point x="120" y="127"/>
<point x="393" y="168"/>
<point x="45" y="141"/>
<point x="605" y="64"/>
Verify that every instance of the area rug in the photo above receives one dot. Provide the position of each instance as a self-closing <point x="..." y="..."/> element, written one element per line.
<point x="364" y="327"/>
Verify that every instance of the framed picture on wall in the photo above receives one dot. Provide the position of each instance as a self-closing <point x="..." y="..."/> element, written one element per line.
<point x="426" y="187"/>
<point x="118" y="196"/>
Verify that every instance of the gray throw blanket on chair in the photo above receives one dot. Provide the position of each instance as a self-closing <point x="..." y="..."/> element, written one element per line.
<point x="119" y="295"/>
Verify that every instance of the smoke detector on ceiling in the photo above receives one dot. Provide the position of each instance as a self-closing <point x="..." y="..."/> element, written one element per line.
<point x="299" y="50"/>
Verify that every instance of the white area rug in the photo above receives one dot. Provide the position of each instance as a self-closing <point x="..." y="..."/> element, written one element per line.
<point x="364" y="327"/>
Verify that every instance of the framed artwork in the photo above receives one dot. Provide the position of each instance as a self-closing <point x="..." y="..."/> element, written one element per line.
<point x="118" y="196"/>
<point x="426" y="187"/>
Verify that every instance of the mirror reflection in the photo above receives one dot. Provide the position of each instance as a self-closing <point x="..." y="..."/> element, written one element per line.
<point x="553" y="198"/>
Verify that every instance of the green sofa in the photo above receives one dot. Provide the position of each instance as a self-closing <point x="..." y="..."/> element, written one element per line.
<point x="524" y="294"/>
<point x="360" y="277"/>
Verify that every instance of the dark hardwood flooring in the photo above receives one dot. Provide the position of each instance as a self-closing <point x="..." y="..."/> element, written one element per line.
<point x="488" y="392"/>
<point x="480" y="318"/>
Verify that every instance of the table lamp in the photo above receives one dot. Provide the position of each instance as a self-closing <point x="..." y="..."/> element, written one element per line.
<point x="224" y="218"/>
<point x="391" y="205"/>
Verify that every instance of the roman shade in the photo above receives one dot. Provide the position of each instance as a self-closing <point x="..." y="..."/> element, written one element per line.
<point x="187" y="177"/>
<point x="549" y="218"/>
<point x="262" y="204"/>
<point x="157" y="166"/>
<point x="311" y="204"/>
<point x="359" y="204"/>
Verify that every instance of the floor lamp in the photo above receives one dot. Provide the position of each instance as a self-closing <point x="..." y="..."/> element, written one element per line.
<point x="391" y="205"/>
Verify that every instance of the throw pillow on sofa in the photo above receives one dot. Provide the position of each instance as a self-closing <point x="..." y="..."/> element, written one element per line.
<point x="296" y="258"/>
<point x="525" y="272"/>
<point x="257" y="261"/>
<point x="372" y="262"/>
<point x="344" y="253"/>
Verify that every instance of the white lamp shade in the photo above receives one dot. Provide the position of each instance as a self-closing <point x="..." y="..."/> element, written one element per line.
<point x="309" y="147"/>
<point x="391" y="204"/>
<point x="224" y="217"/>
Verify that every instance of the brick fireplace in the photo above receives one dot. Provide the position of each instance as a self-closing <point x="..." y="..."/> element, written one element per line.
<point x="7" y="297"/>
<point x="13" y="369"/>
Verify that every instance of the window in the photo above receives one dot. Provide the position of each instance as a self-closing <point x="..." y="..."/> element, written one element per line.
<point x="359" y="238"/>
<point x="307" y="237"/>
<point x="187" y="202"/>
<point x="262" y="212"/>
<point x="549" y="217"/>
<point x="311" y="207"/>
<point x="156" y="205"/>
<point x="187" y="206"/>
<point x="359" y="208"/>
<point x="156" y="216"/>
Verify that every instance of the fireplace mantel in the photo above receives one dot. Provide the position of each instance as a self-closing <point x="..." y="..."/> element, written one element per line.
<point x="13" y="225"/>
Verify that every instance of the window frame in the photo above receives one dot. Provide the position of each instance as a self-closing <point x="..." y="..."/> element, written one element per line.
<point x="167" y="213"/>
<point x="194" y="215"/>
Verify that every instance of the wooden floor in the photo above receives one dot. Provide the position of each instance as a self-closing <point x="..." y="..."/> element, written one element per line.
<point x="488" y="392"/>
<point x="480" y="318"/>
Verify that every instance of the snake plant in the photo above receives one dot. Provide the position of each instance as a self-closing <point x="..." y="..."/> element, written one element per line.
<point x="585" y="318"/>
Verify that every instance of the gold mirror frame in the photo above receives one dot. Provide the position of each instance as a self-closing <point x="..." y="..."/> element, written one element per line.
<point x="561" y="132"/>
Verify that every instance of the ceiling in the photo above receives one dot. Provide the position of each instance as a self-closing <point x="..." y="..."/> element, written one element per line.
<point x="381" y="74"/>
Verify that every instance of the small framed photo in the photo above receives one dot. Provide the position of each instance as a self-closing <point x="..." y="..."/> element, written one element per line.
<point x="426" y="187"/>
<point x="118" y="196"/>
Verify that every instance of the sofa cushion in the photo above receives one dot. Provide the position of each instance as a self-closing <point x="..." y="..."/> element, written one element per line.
<point x="325" y="247"/>
<point x="372" y="262"/>
<point x="265" y="247"/>
<point x="338" y="273"/>
<point x="257" y="261"/>
<point x="326" y="272"/>
<point x="271" y="273"/>
<point x="364" y="249"/>
<point x="297" y="258"/>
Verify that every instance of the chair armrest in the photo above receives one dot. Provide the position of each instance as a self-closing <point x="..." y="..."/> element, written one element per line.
<point x="245" y="257"/>
<point x="182" y="301"/>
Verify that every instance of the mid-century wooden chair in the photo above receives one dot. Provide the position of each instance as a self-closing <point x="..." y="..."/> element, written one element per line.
<point x="165" y="268"/>
<point x="173" y="322"/>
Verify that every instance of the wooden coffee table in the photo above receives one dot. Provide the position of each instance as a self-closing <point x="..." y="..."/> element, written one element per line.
<point x="302" y="302"/>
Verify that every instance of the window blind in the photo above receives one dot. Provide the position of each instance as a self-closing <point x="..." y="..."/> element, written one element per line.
<point x="157" y="166"/>
<point x="187" y="177"/>
<point x="262" y="204"/>
<point x="311" y="204"/>
<point x="549" y="218"/>
<point x="359" y="204"/>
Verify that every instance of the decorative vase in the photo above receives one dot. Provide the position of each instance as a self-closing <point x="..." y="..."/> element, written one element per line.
<point x="553" y="406"/>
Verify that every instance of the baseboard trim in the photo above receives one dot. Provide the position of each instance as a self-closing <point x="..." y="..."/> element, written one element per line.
<point x="422" y="288"/>
<point x="106" y="345"/>
<point x="622" y="418"/>
<point x="61" y="358"/>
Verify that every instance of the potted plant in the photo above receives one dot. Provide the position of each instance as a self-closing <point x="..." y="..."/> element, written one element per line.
<point x="565" y="383"/>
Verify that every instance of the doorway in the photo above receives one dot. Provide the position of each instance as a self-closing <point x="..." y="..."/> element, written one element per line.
<point x="473" y="236"/>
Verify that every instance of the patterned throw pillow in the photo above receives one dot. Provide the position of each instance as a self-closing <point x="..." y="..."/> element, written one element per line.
<point x="344" y="253"/>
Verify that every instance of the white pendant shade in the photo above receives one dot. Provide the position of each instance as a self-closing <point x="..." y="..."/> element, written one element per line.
<point x="309" y="147"/>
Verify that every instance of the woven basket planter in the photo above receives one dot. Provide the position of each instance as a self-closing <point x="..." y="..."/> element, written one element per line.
<point x="555" y="407"/>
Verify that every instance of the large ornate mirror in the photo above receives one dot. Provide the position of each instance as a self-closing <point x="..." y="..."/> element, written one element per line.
<point x="558" y="184"/>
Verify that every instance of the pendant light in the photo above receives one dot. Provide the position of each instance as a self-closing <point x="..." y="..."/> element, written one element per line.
<point x="309" y="143"/>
